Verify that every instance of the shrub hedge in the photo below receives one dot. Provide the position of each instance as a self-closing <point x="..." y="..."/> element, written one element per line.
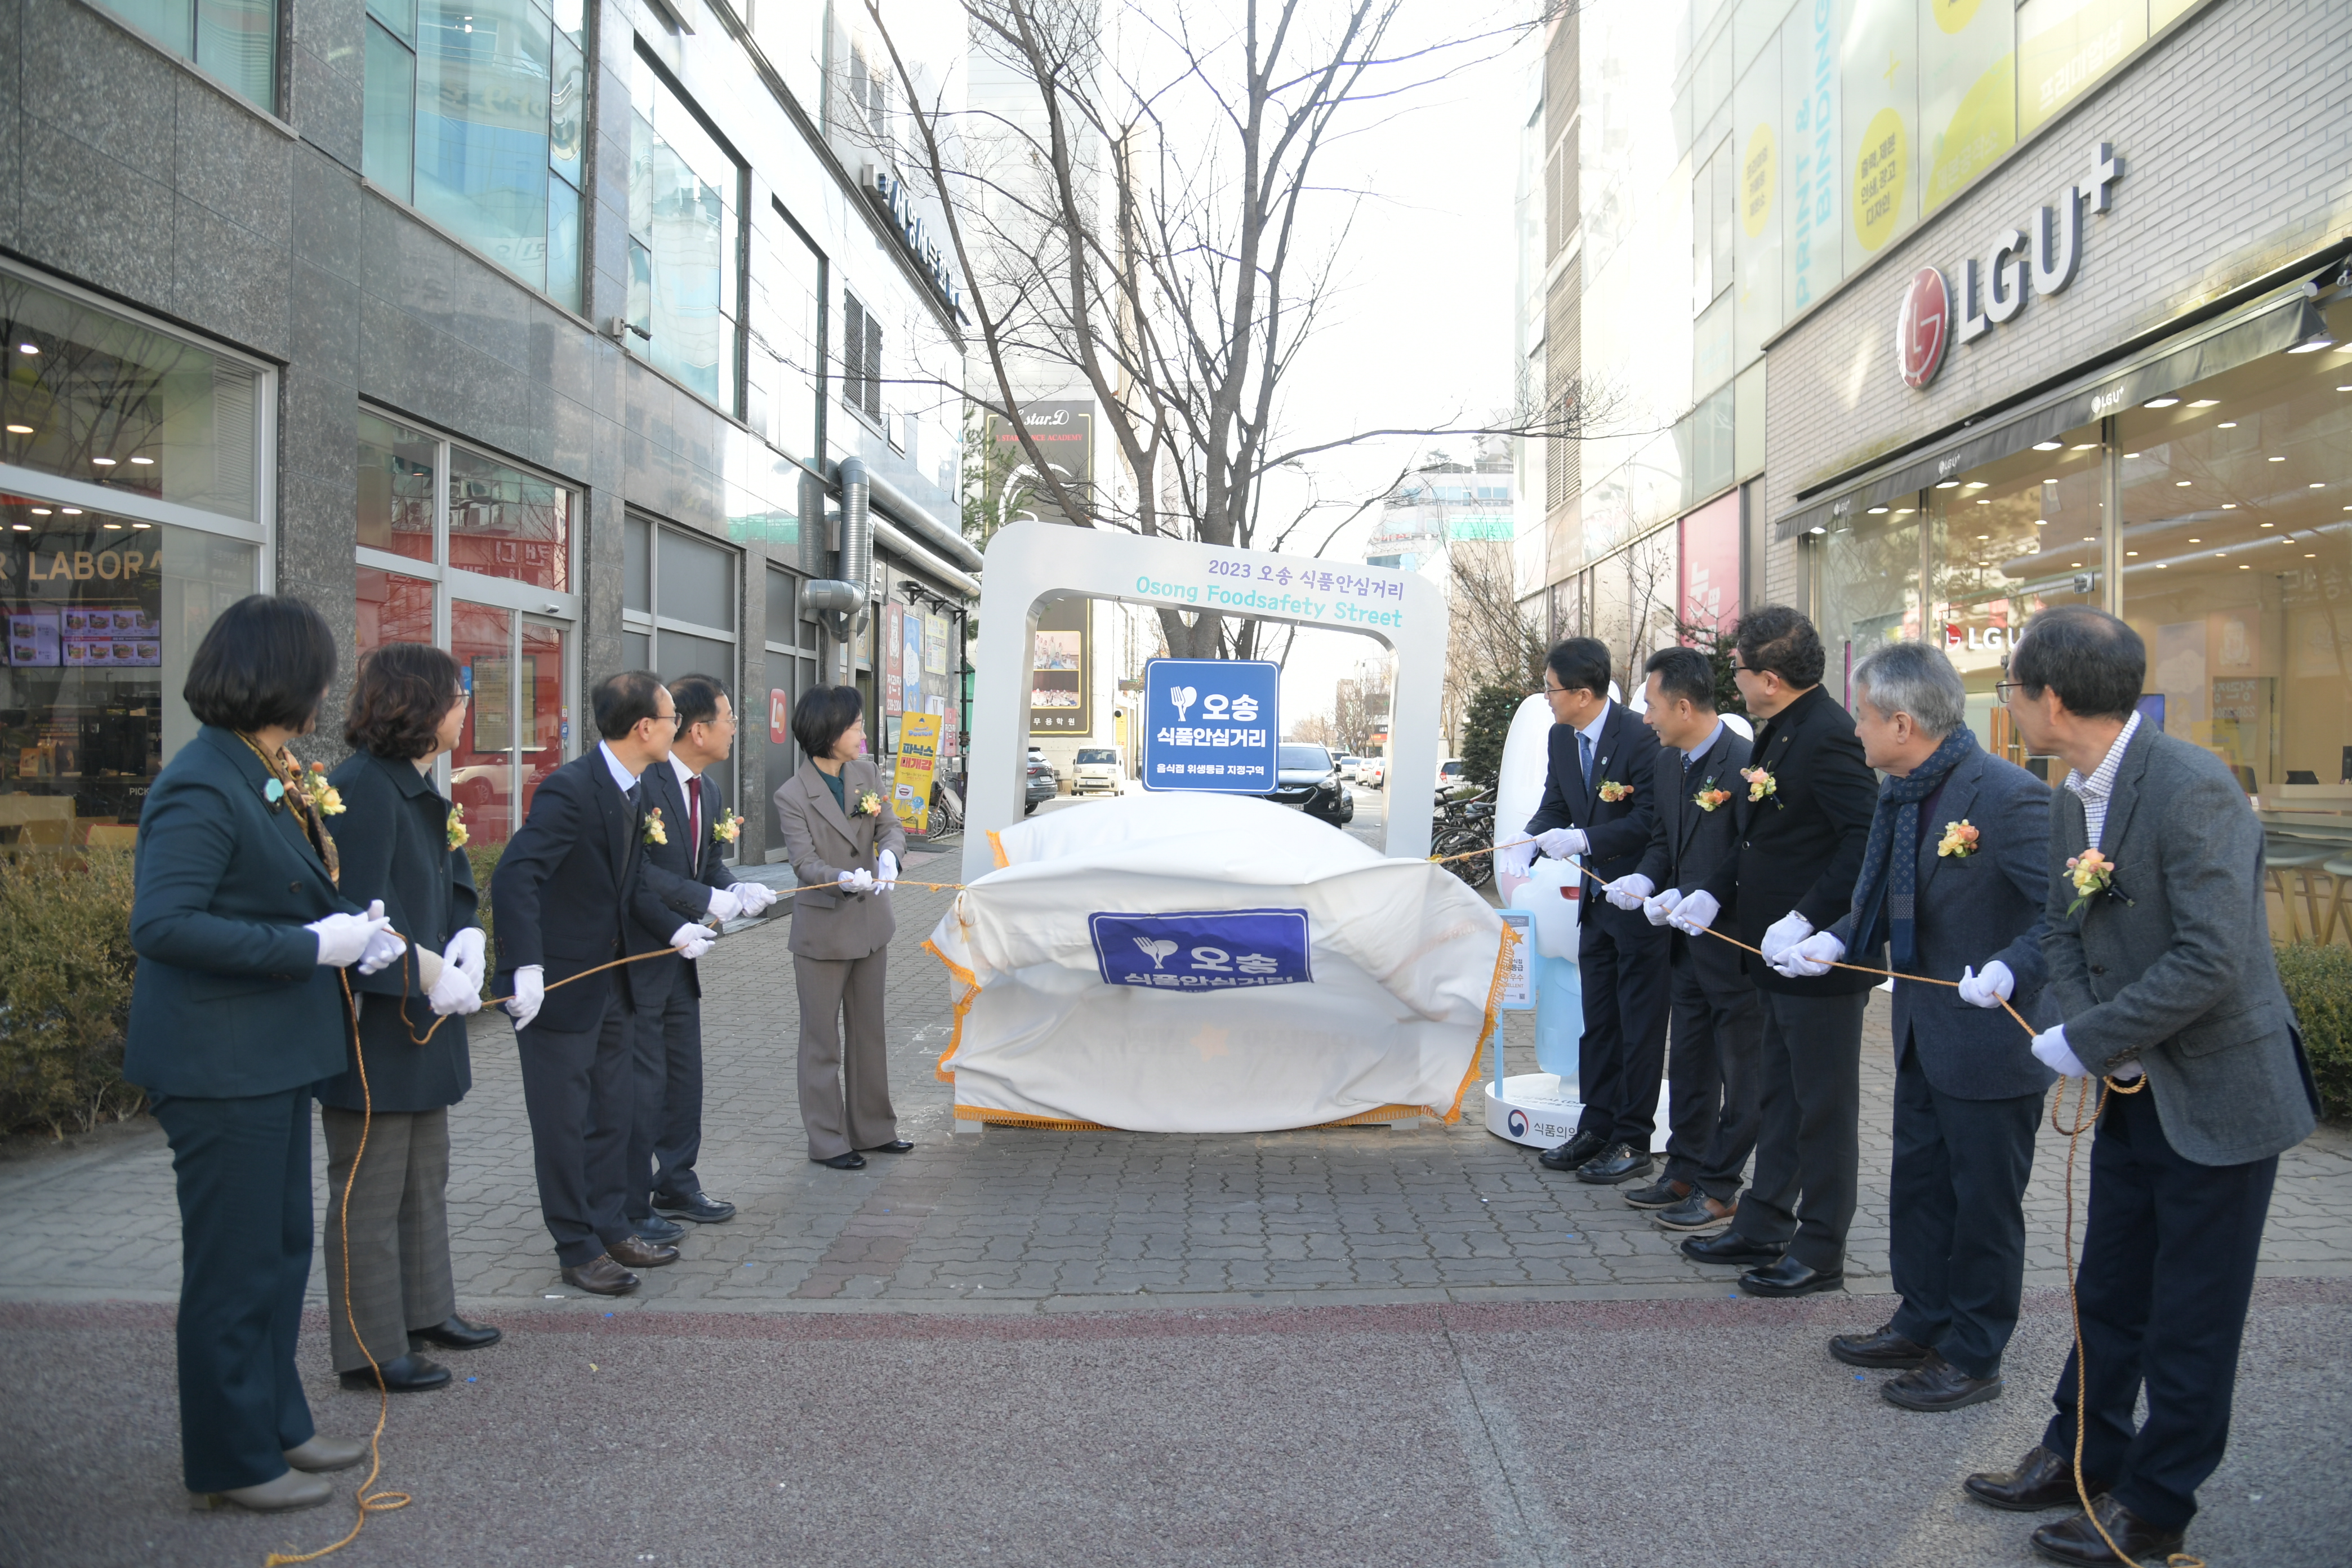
<point x="2319" y="983"/>
<point x="66" y="967"/>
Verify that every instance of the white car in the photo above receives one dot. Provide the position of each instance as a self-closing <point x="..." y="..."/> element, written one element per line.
<point x="1450" y="777"/>
<point x="1096" y="771"/>
<point x="1372" y="772"/>
<point x="1348" y="767"/>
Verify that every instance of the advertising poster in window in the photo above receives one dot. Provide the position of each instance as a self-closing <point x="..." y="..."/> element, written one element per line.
<point x="1879" y="119"/>
<point x="491" y="681"/>
<point x="1967" y="94"/>
<point x="1758" y="192"/>
<point x="918" y="754"/>
<point x="2065" y="46"/>
<point x="1809" y="97"/>
<point x="893" y="689"/>
<point x="1058" y="681"/>
<point x="1064" y="433"/>
<point x="1710" y="565"/>
<point x="911" y="660"/>
<point x="935" y="645"/>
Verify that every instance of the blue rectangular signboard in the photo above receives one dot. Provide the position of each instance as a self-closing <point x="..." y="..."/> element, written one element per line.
<point x="1210" y="723"/>
<point x="1198" y="950"/>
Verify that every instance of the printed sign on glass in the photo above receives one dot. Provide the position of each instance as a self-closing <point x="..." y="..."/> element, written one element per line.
<point x="1210" y="724"/>
<point x="1200" y="951"/>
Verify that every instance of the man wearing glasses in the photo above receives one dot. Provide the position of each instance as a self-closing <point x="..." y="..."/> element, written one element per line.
<point x="564" y="895"/>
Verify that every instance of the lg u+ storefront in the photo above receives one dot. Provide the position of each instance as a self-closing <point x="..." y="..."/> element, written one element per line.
<point x="2117" y="372"/>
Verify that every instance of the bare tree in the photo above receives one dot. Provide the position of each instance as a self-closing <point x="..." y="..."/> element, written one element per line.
<point x="1359" y="705"/>
<point x="1492" y="641"/>
<point x="1316" y="729"/>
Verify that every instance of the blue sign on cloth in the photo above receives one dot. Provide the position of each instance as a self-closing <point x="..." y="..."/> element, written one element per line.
<point x="1200" y="951"/>
<point x="1210" y="723"/>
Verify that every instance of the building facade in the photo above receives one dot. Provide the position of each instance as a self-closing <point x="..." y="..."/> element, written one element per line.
<point x="534" y="329"/>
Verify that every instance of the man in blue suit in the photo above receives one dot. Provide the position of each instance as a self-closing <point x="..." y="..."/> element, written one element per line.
<point x="688" y="872"/>
<point x="564" y="895"/>
<point x="1597" y="803"/>
<point x="1957" y="867"/>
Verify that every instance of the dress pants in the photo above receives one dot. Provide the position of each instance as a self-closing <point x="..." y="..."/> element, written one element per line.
<point x="243" y="1169"/>
<point x="576" y="1090"/>
<point x="1621" y="1060"/>
<point x="1711" y="1066"/>
<point x="838" y="996"/>
<point x="2167" y="1271"/>
<point x="665" y="1123"/>
<point x="1956" y="1215"/>
<point x="399" y="1234"/>
<point x="1808" y="1148"/>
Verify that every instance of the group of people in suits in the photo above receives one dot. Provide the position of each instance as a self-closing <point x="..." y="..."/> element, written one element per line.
<point x="2118" y="919"/>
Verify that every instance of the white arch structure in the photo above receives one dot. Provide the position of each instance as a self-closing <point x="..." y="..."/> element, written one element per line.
<point x="1030" y="564"/>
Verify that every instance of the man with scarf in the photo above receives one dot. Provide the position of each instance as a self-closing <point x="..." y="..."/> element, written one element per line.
<point x="1957" y="867"/>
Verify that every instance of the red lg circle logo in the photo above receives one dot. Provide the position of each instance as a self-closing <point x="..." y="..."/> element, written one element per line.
<point x="1920" y="331"/>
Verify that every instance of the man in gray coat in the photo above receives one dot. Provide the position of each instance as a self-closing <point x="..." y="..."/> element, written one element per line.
<point x="2160" y="965"/>
<point x="1957" y="870"/>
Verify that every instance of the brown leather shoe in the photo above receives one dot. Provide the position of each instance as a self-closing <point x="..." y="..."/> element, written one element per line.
<point x="600" y="1276"/>
<point x="2041" y="1481"/>
<point x="636" y="1252"/>
<point x="2077" y="1541"/>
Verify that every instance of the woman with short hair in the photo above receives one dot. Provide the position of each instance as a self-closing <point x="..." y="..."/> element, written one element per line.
<point x="236" y="1014"/>
<point x="402" y="842"/>
<point x="839" y="829"/>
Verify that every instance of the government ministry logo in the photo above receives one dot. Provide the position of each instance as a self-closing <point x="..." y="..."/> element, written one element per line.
<point x="1923" y="328"/>
<point x="1518" y="1122"/>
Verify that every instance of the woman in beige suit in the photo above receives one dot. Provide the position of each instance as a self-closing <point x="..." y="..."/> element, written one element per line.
<point x="839" y="829"/>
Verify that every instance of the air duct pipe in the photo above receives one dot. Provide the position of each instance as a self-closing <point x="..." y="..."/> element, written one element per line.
<point x="842" y="599"/>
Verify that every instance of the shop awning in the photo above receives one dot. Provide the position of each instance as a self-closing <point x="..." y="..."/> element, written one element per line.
<point x="2165" y="368"/>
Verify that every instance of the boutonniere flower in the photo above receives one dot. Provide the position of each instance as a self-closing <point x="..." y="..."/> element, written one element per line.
<point x="324" y="798"/>
<point x="1708" y="797"/>
<point x="868" y="804"/>
<point x="2092" y="874"/>
<point x="656" y="831"/>
<point x="1959" y="840"/>
<point x="1760" y="783"/>
<point x="1612" y="793"/>
<point x="728" y="827"/>
<point x="458" y="836"/>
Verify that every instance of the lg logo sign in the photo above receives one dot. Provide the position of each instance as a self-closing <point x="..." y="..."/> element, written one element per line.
<point x="1992" y="290"/>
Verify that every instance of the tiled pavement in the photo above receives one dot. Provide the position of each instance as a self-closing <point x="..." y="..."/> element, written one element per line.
<point x="1023" y="1221"/>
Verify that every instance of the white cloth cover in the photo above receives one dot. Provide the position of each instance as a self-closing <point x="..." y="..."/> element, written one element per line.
<point x="1337" y="984"/>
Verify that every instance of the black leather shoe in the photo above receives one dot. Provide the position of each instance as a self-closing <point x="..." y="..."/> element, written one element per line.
<point x="2042" y="1480"/>
<point x="1658" y="1195"/>
<point x="896" y="1146"/>
<point x="636" y="1252"/>
<point x="1790" y="1278"/>
<point x="454" y="1333"/>
<point x="651" y="1226"/>
<point x="699" y="1207"/>
<point x="1696" y="1211"/>
<point x="410" y="1374"/>
<point x="1575" y="1151"/>
<point x="2078" y="1541"/>
<point x="1730" y="1246"/>
<point x="853" y="1161"/>
<point x="1937" y="1385"/>
<point x="1882" y="1347"/>
<point x="1618" y="1163"/>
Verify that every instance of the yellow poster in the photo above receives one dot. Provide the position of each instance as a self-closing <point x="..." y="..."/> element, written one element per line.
<point x="1968" y="93"/>
<point x="2065" y="46"/>
<point x="919" y="757"/>
<point x="1878" y="74"/>
<point x="1763" y="204"/>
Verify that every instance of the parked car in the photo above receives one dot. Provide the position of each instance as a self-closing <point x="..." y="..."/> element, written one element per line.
<point x="1349" y="766"/>
<point x="1096" y="771"/>
<point x="1307" y="779"/>
<point x="1043" y="785"/>
<point x="1450" y="779"/>
<point x="1372" y="772"/>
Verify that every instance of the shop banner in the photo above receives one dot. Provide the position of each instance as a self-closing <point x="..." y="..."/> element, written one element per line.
<point x="918" y="756"/>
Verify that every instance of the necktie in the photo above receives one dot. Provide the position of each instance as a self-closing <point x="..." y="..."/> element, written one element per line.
<point x="1584" y="751"/>
<point x="694" y="821"/>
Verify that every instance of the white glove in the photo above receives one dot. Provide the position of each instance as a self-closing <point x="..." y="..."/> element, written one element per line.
<point x="1628" y="893"/>
<point x="466" y="951"/>
<point x="1559" y="843"/>
<point x="886" y="874"/>
<point x="724" y="905"/>
<point x="692" y="940"/>
<point x="1991" y="989"/>
<point x="1515" y="860"/>
<point x="531" y="990"/>
<point x="383" y="945"/>
<point x="1785" y="933"/>
<point x="753" y="896"/>
<point x="455" y="991"/>
<point x="364" y="940"/>
<point x="1660" y="908"/>
<point x="2050" y="1048"/>
<point x="1814" y="956"/>
<point x="2126" y="1073"/>
<point x="855" y="882"/>
<point x="1695" y="913"/>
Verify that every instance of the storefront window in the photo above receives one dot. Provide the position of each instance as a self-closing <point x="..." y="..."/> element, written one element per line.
<point x="397" y="468"/>
<point x="1870" y="588"/>
<point x="504" y="522"/>
<point x="2237" y="504"/>
<point x="91" y="396"/>
<point x="685" y="218"/>
<point x="103" y="613"/>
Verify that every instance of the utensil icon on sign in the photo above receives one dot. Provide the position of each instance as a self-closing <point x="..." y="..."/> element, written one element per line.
<point x="1183" y="696"/>
<point x="1155" y="951"/>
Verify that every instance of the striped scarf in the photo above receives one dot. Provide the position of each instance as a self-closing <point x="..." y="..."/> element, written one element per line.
<point x="1890" y="864"/>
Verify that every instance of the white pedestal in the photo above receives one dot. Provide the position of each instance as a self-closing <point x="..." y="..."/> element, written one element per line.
<point x="1539" y="1110"/>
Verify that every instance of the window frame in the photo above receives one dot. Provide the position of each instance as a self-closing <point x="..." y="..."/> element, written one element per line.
<point x="650" y="623"/>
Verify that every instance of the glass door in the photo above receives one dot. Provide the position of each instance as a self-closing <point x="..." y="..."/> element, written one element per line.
<point x="544" y="723"/>
<point x="482" y="768"/>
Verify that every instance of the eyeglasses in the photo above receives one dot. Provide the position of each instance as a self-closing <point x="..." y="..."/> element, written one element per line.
<point x="2001" y="690"/>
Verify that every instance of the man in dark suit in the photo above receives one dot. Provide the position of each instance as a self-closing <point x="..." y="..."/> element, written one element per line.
<point x="1957" y="869"/>
<point x="1597" y="803"/>
<point x="2160" y="965"/>
<point x="688" y="872"/>
<point x="1718" y="1020"/>
<point x="563" y="897"/>
<point x="1802" y="821"/>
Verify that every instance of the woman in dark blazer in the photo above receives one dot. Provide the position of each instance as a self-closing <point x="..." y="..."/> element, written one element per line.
<point x="839" y="829"/>
<point x="402" y="843"/>
<point x="235" y="1014"/>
